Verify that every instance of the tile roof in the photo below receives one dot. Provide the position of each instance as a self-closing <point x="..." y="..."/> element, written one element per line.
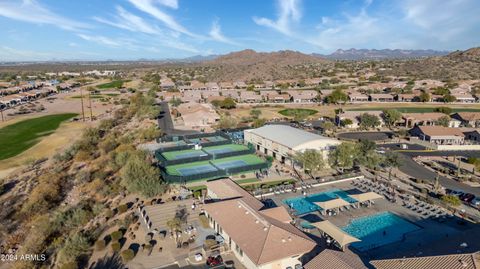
<point x="264" y="235"/>
<point x="332" y="259"/>
<point x="455" y="261"/>
<point x="469" y="116"/>
<point x="440" y="131"/>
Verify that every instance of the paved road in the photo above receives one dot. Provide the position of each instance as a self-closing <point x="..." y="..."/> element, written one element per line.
<point x="373" y="136"/>
<point x="165" y="122"/>
<point x="413" y="169"/>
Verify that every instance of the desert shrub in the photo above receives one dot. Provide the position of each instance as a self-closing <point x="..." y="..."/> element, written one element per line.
<point x="127" y="255"/>
<point x="116" y="246"/>
<point x="117" y="235"/>
<point x="122" y="208"/>
<point x="100" y="245"/>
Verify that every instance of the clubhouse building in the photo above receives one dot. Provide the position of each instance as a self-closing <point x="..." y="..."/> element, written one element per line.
<point x="283" y="141"/>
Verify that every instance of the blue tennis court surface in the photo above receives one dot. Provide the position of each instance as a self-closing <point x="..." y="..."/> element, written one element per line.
<point x="190" y="154"/>
<point x="196" y="170"/>
<point x="231" y="164"/>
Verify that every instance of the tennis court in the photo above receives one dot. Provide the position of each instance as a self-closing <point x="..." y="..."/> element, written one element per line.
<point x="224" y="149"/>
<point x="237" y="161"/>
<point x="189" y="169"/>
<point x="182" y="154"/>
<point x="207" y="139"/>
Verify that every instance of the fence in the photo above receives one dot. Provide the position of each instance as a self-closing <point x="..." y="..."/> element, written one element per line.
<point x="232" y="153"/>
<point x="165" y="162"/>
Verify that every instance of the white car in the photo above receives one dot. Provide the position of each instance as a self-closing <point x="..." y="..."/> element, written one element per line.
<point x="198" y="257"/>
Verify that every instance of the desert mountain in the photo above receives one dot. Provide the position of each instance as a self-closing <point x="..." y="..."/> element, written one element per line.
<point x="251" y="65"/>
<point x="456" y="65"/>
<point x="374" y="54"/>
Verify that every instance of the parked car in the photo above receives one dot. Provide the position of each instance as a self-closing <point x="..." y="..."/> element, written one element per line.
<point x="468" y="197"/>
<point x="475" y="202"/>
<point x="214" y="261"/>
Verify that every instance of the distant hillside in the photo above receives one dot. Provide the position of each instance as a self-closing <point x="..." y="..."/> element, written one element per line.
<point x="249" y="64"/>
<point x="456" y="65"/>
<point x="374" y="54"/>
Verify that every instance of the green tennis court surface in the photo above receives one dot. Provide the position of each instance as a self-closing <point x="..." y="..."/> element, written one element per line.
<point x="224" y="149"/>
<point x="182" y="154"/>
<point x="207" y="139"/>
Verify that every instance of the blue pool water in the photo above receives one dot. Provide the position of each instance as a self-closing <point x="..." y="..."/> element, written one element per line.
<point x="303" y="205"/>
<point x="378" y="230"/>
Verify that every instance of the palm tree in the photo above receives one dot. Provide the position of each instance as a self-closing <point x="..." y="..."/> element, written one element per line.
<point x="392" y="160"/>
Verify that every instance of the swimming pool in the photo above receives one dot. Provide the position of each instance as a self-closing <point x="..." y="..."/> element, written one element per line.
<point x="378" y="230"/>
<point x="303" y="205"/>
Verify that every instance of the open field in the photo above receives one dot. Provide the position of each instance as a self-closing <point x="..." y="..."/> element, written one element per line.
<point x="20" y="136"/>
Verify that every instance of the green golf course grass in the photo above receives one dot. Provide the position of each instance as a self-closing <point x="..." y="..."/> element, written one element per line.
<point x="291" y="112"/>
<point x="20" y="136"/>
<point x="414" y="109"/>
<point x="113" y="84"/>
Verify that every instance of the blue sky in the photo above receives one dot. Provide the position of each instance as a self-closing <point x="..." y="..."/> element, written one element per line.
<point x="157" y="29"/>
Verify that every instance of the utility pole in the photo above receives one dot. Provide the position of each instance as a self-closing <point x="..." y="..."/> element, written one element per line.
<point x="81" y="99"/>
<point x="1" y="112"/>
<point x="90" y="105"/>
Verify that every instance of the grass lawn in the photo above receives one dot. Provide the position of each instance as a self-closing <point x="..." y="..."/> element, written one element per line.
<point x="248" y="159"/>
<point x="114" y="84"/>
<point x="291" y="112"/>
<point x="415" y="109"/>
<point x="20" y="136"/>
<point x="93" y="96"/>
<point x="247" y="181"/>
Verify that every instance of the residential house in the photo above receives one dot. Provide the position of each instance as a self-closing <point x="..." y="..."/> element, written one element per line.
<point x="239" y="85"/>
<point x="426" y="119"/>
<point x="167" y="84"/>
<point x="472" y="135"/>
<point x="226" y="86"/>
<point x="451" y="261"/>
<point x="211" y="93"/>
<point x="464" y="98"/>
<point x="274" y="96"/>
<point x="468" y="119"/>
<point x="356" y="97"/>
<point x="168" y="96"/>
<point x="354" y="117"/>
<point x="305" y="96"/>
<point x="250" y="97"/>
<point x="198" y="86"/>
<point x="334" y="259"/>
<point x="231" y="93"/>
<point x="198" y="116"/>
<point x="192" y="96"/>
<point x="212" y="86"/>
<point x="439" y="135"/>
<point x="407" y="97"/>
<point x="381" y="97"/>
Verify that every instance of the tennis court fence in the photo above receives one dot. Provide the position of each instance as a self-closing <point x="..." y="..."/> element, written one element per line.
<point x="231" y="153"/>
<point x="163" y="161"/>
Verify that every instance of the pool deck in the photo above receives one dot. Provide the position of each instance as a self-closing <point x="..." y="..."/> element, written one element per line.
<point x="420" y="241"/>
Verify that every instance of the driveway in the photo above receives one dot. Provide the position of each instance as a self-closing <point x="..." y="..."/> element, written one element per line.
<point x="415" y="170"/>
<point x="165" y="122"/>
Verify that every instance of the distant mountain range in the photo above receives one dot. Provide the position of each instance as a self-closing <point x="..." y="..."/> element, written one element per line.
<point x="374" y="54"/>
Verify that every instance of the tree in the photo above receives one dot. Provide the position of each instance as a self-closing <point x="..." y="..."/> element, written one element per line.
<point x="444" y="121"/>
<point x="368" y="121"/>
<point x="175" y="102"/>
<point x="448" y="98"/>
<point x="346" y="122"/>
<point x="300" y="115"/>
<point x="391" y="116"/>
<point x="255" y="113"/>
<point x="257" y="123"/>
<point x="343" y="156"/>
<point x="451" y="200"/>
<point x="311" y="160"/>
<point x="228" y="103"/>
<point x="424" y="97"/>
<point x="327" y="126"/>
<point x="227" y="122"/>
<point x="444" y="110"/>
<point x="392" y="160"/>
<point x="138" y="176"/>
<point x="336" y="97"/>
<point x="74" y="246"/>
<point x="174" y="224"/>
<point x="367" y="155"/>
